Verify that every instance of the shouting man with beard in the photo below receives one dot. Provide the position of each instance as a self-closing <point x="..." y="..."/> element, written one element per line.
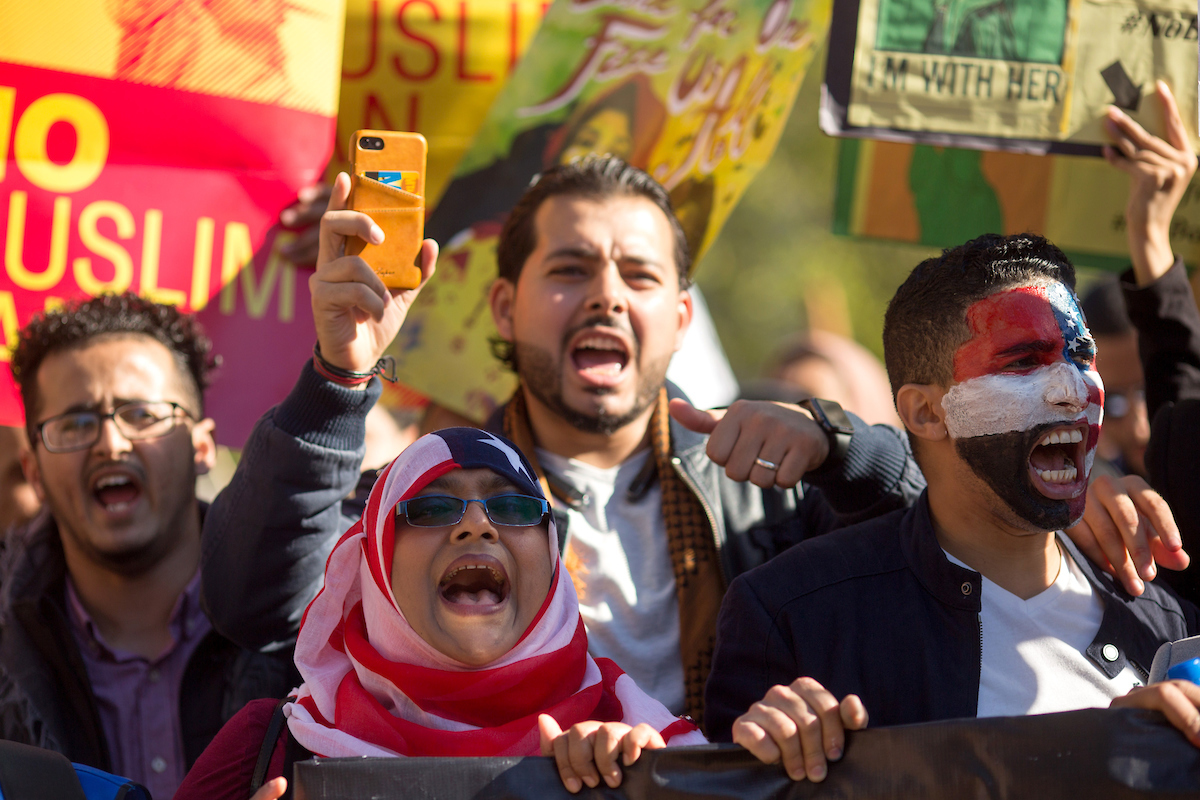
<point x="972" y="602"/>
<point x="658" y="504"/>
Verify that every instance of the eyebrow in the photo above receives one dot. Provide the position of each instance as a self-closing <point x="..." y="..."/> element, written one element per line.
<point x="494" y="483"/>
<point x="1040" y="346"/>
<point x="116" y="403"/>
<point x="588" y="254"/>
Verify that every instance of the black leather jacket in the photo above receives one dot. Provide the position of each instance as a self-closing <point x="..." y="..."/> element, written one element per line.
<point x="45" y="697"/>
<point x="287" y="505"/>
<point x="878" y="610"/>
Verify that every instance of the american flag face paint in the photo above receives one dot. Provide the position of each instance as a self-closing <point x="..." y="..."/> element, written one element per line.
<point x="1025" y="387"/>
<point x="1029" y="362"/>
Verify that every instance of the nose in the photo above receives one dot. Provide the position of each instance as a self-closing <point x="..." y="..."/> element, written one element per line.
<point x="1066" y="388"/>
<point x="606" y="293"/>
<point x="1141" y="419"/>
<point x="111" y="441"/>
<point x="475" y="524"/>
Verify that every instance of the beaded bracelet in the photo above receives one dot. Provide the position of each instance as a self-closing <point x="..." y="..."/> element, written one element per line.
<point x="384" y="368"/>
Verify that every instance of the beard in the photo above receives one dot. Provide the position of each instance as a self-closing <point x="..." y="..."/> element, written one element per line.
<point x="1002" y="462"/>
<point x="541" y="373"/>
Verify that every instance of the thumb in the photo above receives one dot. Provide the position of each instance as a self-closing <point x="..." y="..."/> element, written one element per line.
<point x="271" y="790"/>
<point x="695" y="419"/>
<point x="548" y="731"/>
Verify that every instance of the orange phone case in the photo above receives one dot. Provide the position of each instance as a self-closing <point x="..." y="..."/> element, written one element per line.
<point x="400" y="214"/>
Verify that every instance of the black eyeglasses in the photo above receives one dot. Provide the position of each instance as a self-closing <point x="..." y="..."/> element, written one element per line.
<point x="139" y="419"/>
<point x="436" y="511"/>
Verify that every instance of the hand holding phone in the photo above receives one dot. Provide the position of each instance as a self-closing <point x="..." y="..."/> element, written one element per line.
<point x="388" y="185"/>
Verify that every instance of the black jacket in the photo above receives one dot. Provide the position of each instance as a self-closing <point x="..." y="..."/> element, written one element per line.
<point x="878" y="610"/>
<point x="45" y="697"/>
<point x="286" y="505"/>
<point x="1168" y="325"/>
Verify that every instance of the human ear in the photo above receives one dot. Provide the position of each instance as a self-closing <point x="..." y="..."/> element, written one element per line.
<point x="33" y="473"/>
<point x="920" y="408"/>
<point x="204" y="446"/>
<point x="501" y="297"/>
<point x="685" y="310"/>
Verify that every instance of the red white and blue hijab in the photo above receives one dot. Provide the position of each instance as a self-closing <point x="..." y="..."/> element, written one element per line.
<point x="373" y="687"/>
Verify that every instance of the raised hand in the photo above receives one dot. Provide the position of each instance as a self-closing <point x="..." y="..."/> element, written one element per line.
<point x="749" y="433"/>
<point x="1128" y="529"/>
<point x="304" y="217"/>
<point x="356" y="316"/>
<point x="1159" y="171"/>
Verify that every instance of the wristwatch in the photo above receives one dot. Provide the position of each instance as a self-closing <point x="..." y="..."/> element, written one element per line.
<point x="837" y="426"/>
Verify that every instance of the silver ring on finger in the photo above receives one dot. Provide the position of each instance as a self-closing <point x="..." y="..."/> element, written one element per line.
<point x="762" y="462"/>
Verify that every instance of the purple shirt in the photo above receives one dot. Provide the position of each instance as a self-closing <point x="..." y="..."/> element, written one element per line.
<point x="138" y="698"/>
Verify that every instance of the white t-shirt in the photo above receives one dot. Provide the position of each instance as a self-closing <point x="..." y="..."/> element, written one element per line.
<point x="622" y="567"/>
<point x="1033" y="659"/>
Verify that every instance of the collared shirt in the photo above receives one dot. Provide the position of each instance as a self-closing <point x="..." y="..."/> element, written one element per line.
<point x="138" y="698"/>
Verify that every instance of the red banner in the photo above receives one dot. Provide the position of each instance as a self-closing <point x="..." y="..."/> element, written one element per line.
<point x="108" y="185"/>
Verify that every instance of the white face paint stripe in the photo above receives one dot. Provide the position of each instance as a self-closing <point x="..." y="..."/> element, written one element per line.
<point x="1001" y="403"/>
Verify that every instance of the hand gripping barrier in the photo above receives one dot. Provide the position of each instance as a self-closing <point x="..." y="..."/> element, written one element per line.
<point x="1114" y="754"/>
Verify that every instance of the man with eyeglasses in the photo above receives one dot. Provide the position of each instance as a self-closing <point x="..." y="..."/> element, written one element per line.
<point x="105" y="652"/>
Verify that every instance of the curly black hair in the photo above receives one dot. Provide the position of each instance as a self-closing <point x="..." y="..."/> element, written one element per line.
<point x="81" y="321"/>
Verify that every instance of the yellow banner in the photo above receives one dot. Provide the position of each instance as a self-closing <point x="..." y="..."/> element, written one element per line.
<point x="696" y="92"/>
<point x="1025" y="70"/>
<point x="431" y="66"/>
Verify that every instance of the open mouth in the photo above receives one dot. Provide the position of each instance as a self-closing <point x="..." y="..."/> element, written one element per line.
<point x="599" y="357"/>
<point x="475" y="581"/>
<point x="116" y="489"/>
<point x="1057" y="460"/>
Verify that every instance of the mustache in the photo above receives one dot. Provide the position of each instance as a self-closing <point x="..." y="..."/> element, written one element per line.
<point x="619" y="324"/>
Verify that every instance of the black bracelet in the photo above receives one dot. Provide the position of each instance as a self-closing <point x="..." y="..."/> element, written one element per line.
<point x="385" y="368"/>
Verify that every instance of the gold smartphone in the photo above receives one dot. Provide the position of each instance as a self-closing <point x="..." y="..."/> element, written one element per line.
<point x="388" y="185"/>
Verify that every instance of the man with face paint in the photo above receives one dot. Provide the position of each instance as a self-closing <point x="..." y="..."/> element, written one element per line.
<point x="972" y="602"/>
<point x="1025" y="406"/>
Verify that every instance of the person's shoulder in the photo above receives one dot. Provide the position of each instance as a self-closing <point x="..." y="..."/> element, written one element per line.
<point x="841" y="559"/>
<point x="225" y="767"/>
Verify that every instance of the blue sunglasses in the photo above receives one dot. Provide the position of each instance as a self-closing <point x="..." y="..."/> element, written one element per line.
<point x="437" y="511"/>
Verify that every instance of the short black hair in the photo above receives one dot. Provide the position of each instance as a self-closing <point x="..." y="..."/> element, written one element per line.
<point x="926" y="320"/>
<point x="594" y="178"/>
<point x="76" y="324"/>
<point x="1104" y="309"/>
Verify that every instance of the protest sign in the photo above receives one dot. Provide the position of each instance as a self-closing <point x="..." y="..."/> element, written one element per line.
<point x="1109" y="753"/>
<point x="431" y="66"/>
<point x="150" y="147"/>
<point x="1023" y="75"/>
<point x="694" y="91"/>
<point x="942" y="197"/>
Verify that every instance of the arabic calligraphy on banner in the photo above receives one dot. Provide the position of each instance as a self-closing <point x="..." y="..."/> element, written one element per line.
<point x="696" y="92"/>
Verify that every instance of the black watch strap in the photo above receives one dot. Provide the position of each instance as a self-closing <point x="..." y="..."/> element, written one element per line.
<point x="838" y="428"/>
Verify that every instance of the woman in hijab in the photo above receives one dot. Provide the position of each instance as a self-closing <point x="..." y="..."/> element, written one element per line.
<point x="446" y="627"/>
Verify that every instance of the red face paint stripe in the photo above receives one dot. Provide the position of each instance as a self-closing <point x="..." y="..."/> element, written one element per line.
<point x="1006" y="320"/>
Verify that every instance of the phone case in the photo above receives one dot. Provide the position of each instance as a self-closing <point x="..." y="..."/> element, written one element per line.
<point x="400" y="214"/>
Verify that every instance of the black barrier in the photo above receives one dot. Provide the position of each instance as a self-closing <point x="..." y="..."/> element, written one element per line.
<point x="1083" y="754"/>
